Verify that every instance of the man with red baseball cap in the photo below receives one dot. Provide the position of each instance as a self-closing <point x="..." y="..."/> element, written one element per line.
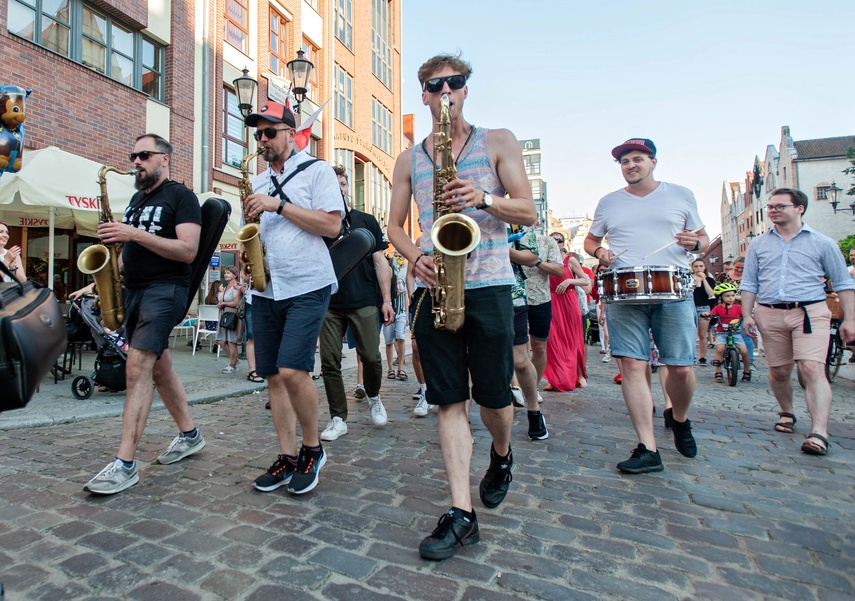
<point x="298" y="201"/>
<point x="637" y="219"/>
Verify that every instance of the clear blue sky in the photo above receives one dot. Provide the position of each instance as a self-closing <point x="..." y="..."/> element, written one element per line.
<point x="710" y="83"/>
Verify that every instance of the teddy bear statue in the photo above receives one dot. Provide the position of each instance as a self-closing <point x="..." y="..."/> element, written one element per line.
<point x="12" y="118"/>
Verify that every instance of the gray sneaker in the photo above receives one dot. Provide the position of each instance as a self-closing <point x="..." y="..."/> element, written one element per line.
<point x="113" y="478"/>
<point x="182" y="447"/>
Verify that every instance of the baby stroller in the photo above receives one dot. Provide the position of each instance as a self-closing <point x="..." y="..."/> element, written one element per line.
<point x="110" y="360"/>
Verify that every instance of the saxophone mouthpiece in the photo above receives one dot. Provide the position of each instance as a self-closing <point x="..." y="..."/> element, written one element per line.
<point x="133" y="171"/>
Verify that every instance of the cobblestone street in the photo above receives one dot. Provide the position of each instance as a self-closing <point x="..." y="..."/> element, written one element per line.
<point x="751" y="517"/>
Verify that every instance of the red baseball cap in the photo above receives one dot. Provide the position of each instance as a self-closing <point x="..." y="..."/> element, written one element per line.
<point x="272" y="111"/>
<point x="640" y="144"/>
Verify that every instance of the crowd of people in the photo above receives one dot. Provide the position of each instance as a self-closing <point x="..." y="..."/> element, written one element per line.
<point x="528" y="302"/>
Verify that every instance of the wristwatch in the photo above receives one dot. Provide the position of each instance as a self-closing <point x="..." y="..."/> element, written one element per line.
<point x="539" y="261"/>
<point x="486" y="202"/>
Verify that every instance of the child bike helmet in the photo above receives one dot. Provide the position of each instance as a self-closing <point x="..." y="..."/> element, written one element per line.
<point x="722" y="288"/>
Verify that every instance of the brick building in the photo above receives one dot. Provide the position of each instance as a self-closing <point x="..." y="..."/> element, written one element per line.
<point x="105" y="71"/>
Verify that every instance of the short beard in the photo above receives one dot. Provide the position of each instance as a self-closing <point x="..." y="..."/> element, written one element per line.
<point x="146" y="180"/>
<point x="271" y="156"/>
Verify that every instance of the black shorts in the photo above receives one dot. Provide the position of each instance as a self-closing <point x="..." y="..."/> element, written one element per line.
<point x="540" y="320"/>
<point x="482" y="349"/>
<point x="520" y="325"/>
<point x="151" y="313"/>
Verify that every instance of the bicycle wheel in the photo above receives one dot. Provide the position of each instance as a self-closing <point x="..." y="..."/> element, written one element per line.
<point x="834" y="358"/>
<point x="731" y="364"/>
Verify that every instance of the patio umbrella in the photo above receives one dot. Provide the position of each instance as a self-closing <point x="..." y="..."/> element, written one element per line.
<point x="55" y="188"/>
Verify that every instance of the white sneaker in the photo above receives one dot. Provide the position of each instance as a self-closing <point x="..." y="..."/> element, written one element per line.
<point x="337" y="427"/>
<point x="519" y="399"/>
<point x="607" y="358"/>
<point x="378" y="411"/>
<point x="539" y="398"/>
<point x="422" y="408"/>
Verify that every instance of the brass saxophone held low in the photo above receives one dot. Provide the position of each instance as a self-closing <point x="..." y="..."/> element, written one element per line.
<point x="254" y="254"/>
<point x="102" y="262"/>
<point x="453" y="235"/>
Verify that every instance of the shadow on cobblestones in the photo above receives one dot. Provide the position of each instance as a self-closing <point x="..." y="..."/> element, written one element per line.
<point x="750" y="518"/>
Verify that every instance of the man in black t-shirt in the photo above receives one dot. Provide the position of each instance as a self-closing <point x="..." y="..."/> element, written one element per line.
<point x="359" y="295"/>
<point x="160" y="233"/>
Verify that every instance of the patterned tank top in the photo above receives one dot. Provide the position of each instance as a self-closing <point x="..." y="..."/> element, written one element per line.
<point x="490" y="263"/>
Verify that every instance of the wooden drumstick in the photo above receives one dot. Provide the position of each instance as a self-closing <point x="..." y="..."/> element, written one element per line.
<point x="670" y="244"/>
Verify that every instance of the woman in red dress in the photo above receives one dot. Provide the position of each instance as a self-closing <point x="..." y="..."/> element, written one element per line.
<point x="565" y="348"/>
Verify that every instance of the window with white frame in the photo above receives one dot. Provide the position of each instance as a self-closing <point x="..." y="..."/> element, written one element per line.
<point x="344" y="158"/>
<point x="381" y="193"/>
<point x="82" y="33"/>
<point x="344" y="22"/>
<point x="235" y="144"/>
<point x="237" y="24"/>
<point x="822" y="192"/>
<point x="343" y="97"/>
<point x="278" y="44"/>
<point x="381" y="41"/>
<point x="381" y="126"/>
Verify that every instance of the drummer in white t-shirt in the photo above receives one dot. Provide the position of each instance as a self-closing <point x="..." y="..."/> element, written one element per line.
<point x="639" y="220"/>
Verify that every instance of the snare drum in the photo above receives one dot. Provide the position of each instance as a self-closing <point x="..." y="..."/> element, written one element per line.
<point x="642" y="285"/>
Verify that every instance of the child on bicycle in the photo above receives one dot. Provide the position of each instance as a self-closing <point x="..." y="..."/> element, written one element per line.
<point x="727" y="311"/>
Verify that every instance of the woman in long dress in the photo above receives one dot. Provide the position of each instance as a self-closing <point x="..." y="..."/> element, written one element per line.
<point x="565" y="348"/>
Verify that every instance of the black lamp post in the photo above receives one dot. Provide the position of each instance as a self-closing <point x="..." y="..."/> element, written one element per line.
<point x="245" y="87"/>
<point x="300" y="69"/>
<point x="831" y="192"/>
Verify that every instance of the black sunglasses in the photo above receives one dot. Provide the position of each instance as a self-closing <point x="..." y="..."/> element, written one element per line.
<point x="268" y="132"/>
<point x="143" y="156"/>
<point x="455" y="82"/>
<point x="559" y="240"/>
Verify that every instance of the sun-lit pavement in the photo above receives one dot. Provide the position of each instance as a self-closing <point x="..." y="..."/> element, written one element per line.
<point x="750" y="518"/>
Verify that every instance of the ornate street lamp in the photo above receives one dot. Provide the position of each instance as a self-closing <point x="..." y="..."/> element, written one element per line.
<point x="300" y="69"/>
<point x="831" y="192"/>
<point x="245" y="87"/>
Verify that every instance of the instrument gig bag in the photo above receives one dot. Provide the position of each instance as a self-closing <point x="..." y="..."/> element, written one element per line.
<point x="32" y="336"/>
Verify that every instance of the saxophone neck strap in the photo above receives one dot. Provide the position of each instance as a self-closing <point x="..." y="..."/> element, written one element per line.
<point x="278" y="187"/>
<point x="462" y="148"/>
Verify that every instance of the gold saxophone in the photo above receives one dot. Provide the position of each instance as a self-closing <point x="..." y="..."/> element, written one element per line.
<point x="253" y="255"/>
<point x="102" y="261"/>
<point x="453" y="235"/>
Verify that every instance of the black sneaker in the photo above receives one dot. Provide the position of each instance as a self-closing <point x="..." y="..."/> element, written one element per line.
<point x="537" y="426"/>
<point x="702" y="361"/>
<point x="642" y="461"/>
<point x="279" y="474"/>
<point x="309" y="464"/>
<point x="451" y="530"/>
<point x="494" y="485"/>
<point x="683" y="439"/>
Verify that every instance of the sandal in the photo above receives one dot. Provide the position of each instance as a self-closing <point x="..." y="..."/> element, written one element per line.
<point x="402" y="375"/>
<point x="812" y="448"/>
<point x="719" y="377"/>
<point x="786" y="427"/>
<point x="229" y="370"/>
<point x="390" y="375"/>
<point x="746" y="376"/>
<point x="254" y="377"/>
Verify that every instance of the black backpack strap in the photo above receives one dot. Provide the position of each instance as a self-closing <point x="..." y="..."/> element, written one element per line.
<point x="279" y="187"/>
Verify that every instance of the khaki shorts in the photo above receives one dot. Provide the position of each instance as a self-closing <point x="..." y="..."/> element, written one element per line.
<point x="783" y="338"/>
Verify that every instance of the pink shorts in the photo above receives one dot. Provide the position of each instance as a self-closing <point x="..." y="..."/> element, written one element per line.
<point x="783" y="338"/>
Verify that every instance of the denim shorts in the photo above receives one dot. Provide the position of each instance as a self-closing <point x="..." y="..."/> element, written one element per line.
<point x="247" y="318"/>
<point x="482" y="348"/>
<point x="721" y="338"/>
<point x="674" y="327"/>
<point x="151" y="313"/>
<point x="396" y="330"/>
<point x="288" y="330"/>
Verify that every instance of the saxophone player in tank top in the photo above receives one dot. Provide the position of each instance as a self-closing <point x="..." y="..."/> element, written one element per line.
<point x="492" y="188"/>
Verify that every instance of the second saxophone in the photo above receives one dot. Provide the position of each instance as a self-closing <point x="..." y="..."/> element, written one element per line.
<point x="253" y="256"/>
